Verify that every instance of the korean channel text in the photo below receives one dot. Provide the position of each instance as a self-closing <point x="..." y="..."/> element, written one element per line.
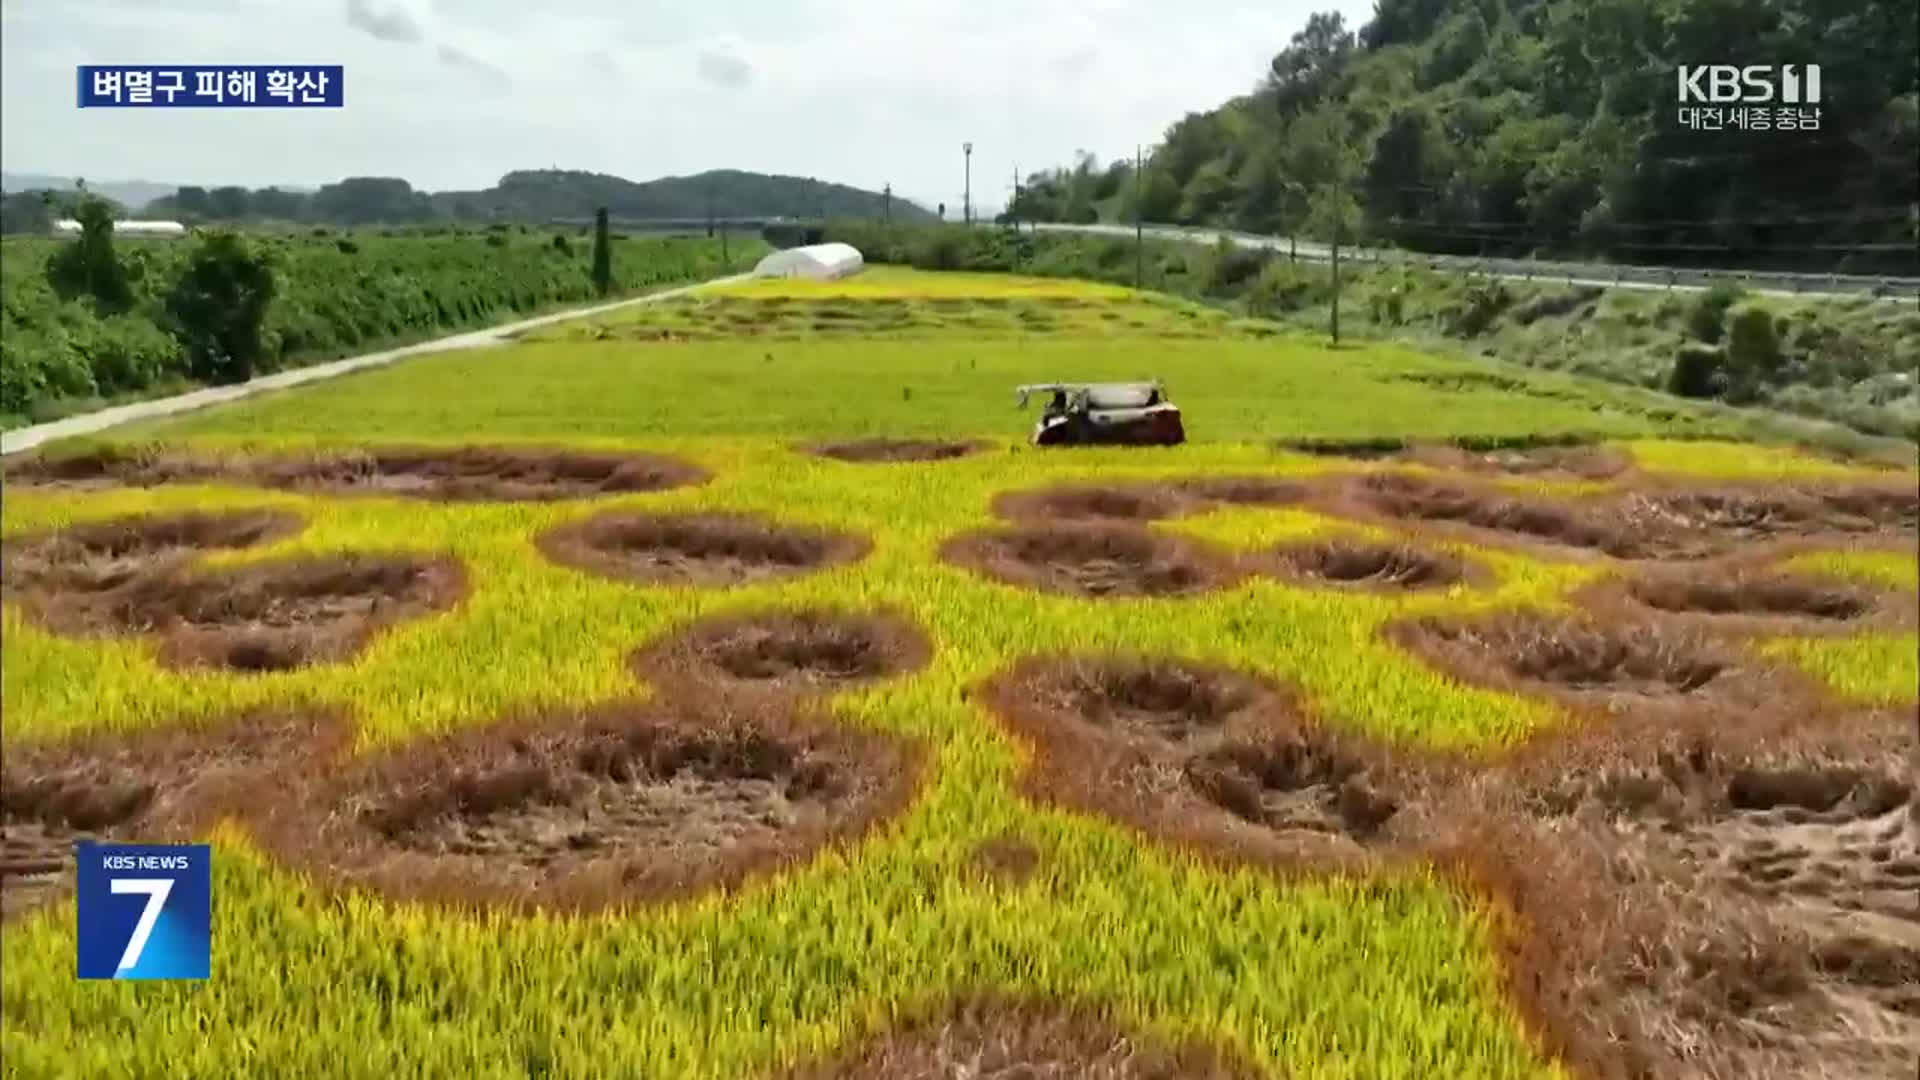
<point x="217" y="86"/>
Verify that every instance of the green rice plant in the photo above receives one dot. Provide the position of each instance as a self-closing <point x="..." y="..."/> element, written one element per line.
<point x="1394" y="974"/>
<point x="1233" y="391"/>
<point x="1875" y="669"/>
<point x="1742" y="461"/>
<point x="1892" y="569"/>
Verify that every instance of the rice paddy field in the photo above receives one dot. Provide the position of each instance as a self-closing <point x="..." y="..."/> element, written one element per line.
<point x="725" y="689"/>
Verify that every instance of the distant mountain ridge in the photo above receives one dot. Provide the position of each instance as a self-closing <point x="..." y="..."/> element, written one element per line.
<point x="132" y="194"/>
<point x="542" y="194"/>
<point x="528" y="195"/>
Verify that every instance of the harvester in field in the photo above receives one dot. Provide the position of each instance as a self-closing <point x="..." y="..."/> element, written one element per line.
<point x="1105" y="414"/>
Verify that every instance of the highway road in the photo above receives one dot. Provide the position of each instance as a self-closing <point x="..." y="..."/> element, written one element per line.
<point x="1770" y="283"/>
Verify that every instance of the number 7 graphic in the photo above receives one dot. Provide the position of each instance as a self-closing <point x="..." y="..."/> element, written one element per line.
<point x="156" y="890"/>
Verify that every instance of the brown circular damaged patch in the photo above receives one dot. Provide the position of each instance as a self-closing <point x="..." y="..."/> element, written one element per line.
<point x="460" y="474"/>
<point x="1407" y="497"/>
<point x="1093" y="560"/>
<point x="285" y="614"/>
<point x="1366" y="564"/>
<point x="592" y="809"/>
<point x="1589" y="662"/>
<point x="788" y="650"/>
<point x="1094" y="503"/>
<point x="713" y="549"/>
<point x="1000" y="1037"/>
<point x="1544" y="462"/>
<point x="1657" y="524"/>
<point x="1865" y="507"/>
<point x="1732" y="517"/>
<point x="1711" y="893"/>
<point x="1737" y="597"/>
<point x="102" y="556"/>
<point x="896" y="450"/>
<point x="1197" y="754"/>
<point x="1213" y="491"/>
<point x="108" y="465"/>
<point x="1146" y="500"/>
<point x="160" y="786"/>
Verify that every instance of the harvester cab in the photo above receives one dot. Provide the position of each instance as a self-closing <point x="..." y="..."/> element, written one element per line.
<point x="1105" y="414"/>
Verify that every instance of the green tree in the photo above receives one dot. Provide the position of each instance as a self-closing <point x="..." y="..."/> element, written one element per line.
<point x="1309" y="69"/>
<point x="88" y="265"/>
<point x="366" y="200"/>
<point x="195" y="202"/>
<point x="230" y="203"/>
<point x="273" y="204"/>
<point x="26" y="212"/>
<point x="219" y="307"/>
<point x="1754" y="358"/>
<point x="602" y="254"/>
<point x="1407" y="174"/>
<point x="1698" y="371"/>
<point x="1555" y="123"/>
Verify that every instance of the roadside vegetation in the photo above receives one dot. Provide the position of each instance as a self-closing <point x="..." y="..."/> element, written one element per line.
<point x="726" y="690"/>
<point x="94" y="319"/>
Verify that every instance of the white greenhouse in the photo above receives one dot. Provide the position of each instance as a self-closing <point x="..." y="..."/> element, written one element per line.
<point x="70" y="227"/>
<point x="819" y="262"/>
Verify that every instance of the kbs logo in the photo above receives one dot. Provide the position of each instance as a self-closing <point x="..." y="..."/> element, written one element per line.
<point x="1758" y="97"/>
<point x="145" y="910"/>
<point x="1755" y="84"/>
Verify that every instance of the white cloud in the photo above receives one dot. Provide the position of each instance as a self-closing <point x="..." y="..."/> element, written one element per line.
<point x="452" y="95"/>
<point x="384" y="21"/>
<point x="459" y="59"/>
<point x="722" y="65"/>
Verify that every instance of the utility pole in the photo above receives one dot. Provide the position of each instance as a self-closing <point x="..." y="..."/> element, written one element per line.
<point x="966" y="206"/>
<point x="709" y="209"/>
<point x="886" y="204"/>
<point x="1336" y="283"/>
<point x="1139" y="218"/>
<point x="1337" y="221"/>
<point x="1013" y="208"/>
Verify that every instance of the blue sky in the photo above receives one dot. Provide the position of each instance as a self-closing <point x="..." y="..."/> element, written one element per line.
<point x="451" y="95"/>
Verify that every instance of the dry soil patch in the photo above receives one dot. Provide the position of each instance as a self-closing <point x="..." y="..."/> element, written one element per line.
<point x="710" y="549"/>
<point x="1725" y="895"/>
<point x="1592" y="662"/>
<point x="286" y="614"/>
<point x="158" y="786"/>
<point x="1670" y="523"/>
<point x="1004" y="1039"/>
<point x="1367" y="565"/>
<point x="1199" y="755"/>
<point x="1589" y="463"/>
<point x="788" y="650"/>
<point x="461" y="474"/>
<point x="605" y="807"/>
<point x="69" y="580"/>
<point x="1093" y="560"/>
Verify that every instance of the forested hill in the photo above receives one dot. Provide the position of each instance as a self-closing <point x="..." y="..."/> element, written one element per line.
<point x="1550" y="126"/>
<point x="526" y="196"/>
<point x="726" y="193"/>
